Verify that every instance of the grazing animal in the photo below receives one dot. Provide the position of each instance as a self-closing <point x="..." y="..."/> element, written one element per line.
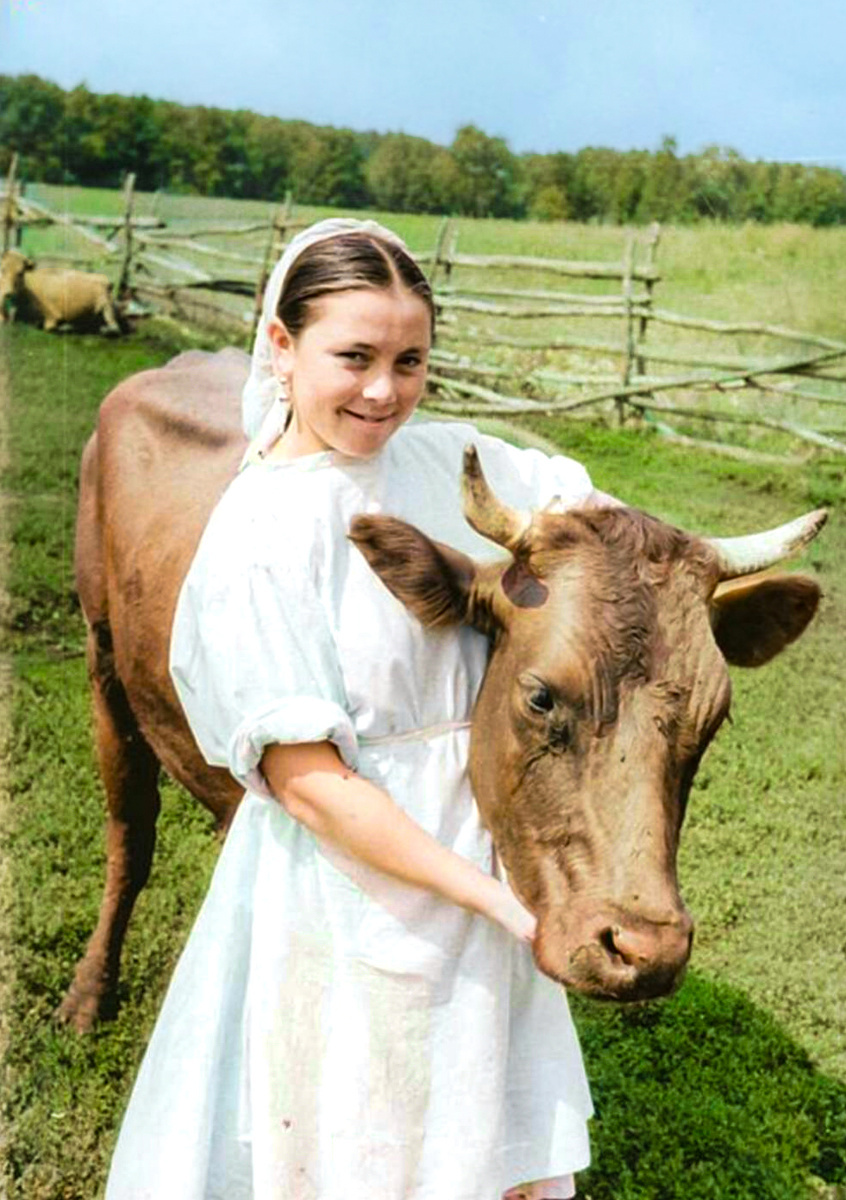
<point x="609" y="630"/>
<point x="53" y="296"/>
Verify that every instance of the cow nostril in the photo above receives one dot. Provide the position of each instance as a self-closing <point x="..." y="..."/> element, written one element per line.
<point x="638" y="947"/>
<point x="625" y="946"/>
<point x="608" y="944"/>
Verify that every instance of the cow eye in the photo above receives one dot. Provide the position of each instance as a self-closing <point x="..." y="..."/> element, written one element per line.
<point x="541" y="699"/>
<point x="536" y="695"/>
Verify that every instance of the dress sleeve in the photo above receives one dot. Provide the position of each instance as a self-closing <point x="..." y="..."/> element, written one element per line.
<point x="254" y="662"/>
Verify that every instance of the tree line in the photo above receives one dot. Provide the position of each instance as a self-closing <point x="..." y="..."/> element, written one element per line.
<point x="82" y="137"/>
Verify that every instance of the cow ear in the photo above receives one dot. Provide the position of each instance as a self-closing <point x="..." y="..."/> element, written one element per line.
<point x="432" y="580"/>
<point x="755" y="617"/>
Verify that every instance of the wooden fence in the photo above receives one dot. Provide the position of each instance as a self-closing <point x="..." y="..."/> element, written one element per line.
<point x="510" y="342"/>
<point x="554" y="370"/>
<point x="185" y="271"/>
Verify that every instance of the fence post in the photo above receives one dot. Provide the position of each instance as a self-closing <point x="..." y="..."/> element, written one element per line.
<point x="276" y="237"/>
<point x="123" y="285"/>
<point x="440" y="238"/>
<point x="10" y="208"/>
<point x="653" y="238"/>
<point x="19" y="213"/>
<point x="450" y="250"/>
<point x="283" y="218"/>
<point x="628" y="360"/>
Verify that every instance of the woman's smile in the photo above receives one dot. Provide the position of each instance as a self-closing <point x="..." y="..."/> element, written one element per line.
<point x="355" y="373"/>
<point x="368" y="418"/>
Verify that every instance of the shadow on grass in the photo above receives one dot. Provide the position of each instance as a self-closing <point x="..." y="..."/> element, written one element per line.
<point x="703" y="1096"/>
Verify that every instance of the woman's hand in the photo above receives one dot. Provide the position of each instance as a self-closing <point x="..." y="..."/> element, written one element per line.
<point x="318" y="790"/>
<point x="507" y="911"/>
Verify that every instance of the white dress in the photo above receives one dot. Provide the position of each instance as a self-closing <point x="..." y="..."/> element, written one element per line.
<point x="330" y="1033"/>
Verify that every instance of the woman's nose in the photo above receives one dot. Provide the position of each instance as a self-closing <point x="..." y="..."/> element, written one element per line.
<point x="379" y="387"/>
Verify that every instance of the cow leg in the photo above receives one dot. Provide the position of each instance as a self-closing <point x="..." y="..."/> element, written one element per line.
<point x="130" y="773"/>
<point x="109" y="316"/>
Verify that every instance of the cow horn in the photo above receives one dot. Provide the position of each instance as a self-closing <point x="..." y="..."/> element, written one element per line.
<point x="484" y="511"/>
<point x="744" y="555"/>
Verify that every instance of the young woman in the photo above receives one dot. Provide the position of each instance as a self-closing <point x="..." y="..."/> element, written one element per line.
<point x="356" y="1015"/>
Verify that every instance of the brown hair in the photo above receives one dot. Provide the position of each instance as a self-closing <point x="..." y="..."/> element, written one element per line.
<point x="349" y="260"/>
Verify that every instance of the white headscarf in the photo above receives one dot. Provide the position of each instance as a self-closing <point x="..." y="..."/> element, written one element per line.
<point x="263" y="407"/>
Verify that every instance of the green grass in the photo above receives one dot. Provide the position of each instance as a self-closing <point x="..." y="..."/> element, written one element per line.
<point x="785" y="274"/>
<point x="735" y="1087"/>
<point x="62" y="1095"/>
<point x="705" y="1097"/>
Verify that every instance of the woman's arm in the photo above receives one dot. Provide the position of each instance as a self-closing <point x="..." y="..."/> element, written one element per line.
<point x="317" y="789"/>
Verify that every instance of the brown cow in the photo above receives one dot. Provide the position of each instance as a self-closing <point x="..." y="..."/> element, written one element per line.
<point x="606" y="682"/>
<point x="53" y="296"/>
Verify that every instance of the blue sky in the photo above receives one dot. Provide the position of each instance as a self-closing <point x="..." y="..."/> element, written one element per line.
<point x="767" y="77"/>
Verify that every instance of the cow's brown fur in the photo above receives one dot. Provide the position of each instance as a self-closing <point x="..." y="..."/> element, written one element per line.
<point x="585" y="799"/>
<point x="167" y="443"/>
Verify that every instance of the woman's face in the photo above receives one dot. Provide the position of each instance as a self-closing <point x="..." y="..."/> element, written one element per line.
<point x="356" y="371"/>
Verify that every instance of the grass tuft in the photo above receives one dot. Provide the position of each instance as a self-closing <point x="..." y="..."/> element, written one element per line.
<point x="704" y="1095"/>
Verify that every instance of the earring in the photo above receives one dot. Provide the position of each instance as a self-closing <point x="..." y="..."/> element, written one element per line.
<point x="274" y="422"/>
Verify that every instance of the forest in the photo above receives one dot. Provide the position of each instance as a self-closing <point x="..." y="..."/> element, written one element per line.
<point x="82" y="137"/>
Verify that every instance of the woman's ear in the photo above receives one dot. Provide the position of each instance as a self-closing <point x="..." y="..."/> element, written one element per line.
<point x="281" y="350"/>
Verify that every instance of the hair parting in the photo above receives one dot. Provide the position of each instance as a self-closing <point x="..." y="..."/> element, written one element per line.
<point x="341" y="263"/>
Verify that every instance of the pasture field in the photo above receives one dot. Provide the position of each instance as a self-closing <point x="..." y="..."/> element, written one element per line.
<point x="735" y="1087"/>
<point x="785" y="276"/>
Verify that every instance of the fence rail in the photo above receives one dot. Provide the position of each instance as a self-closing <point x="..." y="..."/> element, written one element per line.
<point x="195" y="274"/>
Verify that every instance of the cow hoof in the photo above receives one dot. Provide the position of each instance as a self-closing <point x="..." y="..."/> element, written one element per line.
<point x="81" y="1011"/>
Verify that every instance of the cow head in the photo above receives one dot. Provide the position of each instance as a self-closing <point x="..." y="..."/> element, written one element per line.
<point x="610" y="633"/>
<point x="13" y="266"/>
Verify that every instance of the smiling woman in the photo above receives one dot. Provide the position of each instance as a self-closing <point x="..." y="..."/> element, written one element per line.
<point x="357" y="1012"/>
<point x="349" y="344"/>
<point x="355" y="373"/>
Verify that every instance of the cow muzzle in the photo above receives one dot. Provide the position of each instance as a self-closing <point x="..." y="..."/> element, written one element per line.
<point x="615" y="955"/>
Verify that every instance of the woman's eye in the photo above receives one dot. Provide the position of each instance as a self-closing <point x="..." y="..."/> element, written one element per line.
<point x="411" y="361"/>
<point x="357" y="357"/>
<point x="541" y="700"/>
